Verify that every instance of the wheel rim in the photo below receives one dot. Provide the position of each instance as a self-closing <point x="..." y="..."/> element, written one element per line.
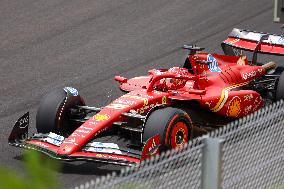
<point x="179" y="135"/>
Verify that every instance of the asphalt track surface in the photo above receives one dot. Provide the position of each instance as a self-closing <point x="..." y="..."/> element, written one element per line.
<point x="84" y="44"/>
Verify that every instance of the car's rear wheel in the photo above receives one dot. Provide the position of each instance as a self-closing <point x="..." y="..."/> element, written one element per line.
<point x="280" y="87"/>
<point x="172" y="124"/>
<point x="56" y="111"/>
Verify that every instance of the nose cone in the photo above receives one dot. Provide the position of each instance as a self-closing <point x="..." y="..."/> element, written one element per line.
<point x="66" y="149"/>
<point x="83" y="134"/>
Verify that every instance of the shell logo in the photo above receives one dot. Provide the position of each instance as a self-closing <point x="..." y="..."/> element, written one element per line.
<point x="101" y="117"/>
<point x="234" y="107"/>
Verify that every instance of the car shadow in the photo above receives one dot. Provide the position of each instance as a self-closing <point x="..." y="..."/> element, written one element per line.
<point x="82" y="167"/>
<point x="89" y="168"/>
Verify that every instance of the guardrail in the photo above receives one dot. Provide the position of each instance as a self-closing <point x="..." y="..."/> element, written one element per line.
<point x="248" y="153"/>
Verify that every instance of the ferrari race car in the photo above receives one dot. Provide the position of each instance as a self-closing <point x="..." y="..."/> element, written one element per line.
<point x="162" y="110"/>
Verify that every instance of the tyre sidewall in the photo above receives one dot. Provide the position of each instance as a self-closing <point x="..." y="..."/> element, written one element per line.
<point x="52" y="112"/>
<point x="162" y="121"/>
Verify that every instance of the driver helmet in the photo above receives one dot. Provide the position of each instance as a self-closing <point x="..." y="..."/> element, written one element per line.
<point x="173" y="83"/>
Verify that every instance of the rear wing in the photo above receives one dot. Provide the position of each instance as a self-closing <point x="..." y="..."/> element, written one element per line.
<point x="246" y="40"/>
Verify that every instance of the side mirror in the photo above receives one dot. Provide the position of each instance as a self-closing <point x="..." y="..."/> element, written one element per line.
<point x="193" y="48"/>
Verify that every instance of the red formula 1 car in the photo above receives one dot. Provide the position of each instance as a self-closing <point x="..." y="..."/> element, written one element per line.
<point x="161" y="110"/>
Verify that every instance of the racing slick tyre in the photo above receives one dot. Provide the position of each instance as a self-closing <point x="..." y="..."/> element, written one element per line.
<point x="55" y="111"/>
<point x="280" y="87"/>
<point x="172" y="124"/>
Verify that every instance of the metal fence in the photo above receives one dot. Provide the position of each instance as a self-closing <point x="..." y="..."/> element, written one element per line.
<point x="248" y="153"/>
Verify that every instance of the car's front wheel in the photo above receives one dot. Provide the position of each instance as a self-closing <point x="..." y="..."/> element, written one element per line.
<point x="55" y="111"/>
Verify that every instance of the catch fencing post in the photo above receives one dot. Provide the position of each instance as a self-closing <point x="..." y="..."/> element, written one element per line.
<point x="278" y="15"/>
<point x="276" y="11"/>
<point x="211" y="163"/>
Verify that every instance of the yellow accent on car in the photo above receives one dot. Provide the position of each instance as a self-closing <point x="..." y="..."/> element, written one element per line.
<point x="224" y="96"/>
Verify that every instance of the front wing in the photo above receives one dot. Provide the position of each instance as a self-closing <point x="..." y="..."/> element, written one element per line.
<point x="92" y="151"/>
<point x="50" y="150"/>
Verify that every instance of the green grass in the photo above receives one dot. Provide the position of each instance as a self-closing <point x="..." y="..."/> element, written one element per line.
<point x="39" y="174"/>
